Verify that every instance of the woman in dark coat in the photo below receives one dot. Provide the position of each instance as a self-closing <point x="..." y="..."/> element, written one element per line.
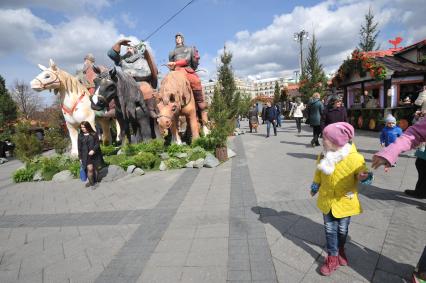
<point x="89" y="152"/>
<point x="315" y="108"/>
<point x="334" y="112"/>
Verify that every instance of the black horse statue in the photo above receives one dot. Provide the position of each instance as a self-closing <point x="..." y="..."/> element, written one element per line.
<point x="130" y="107"/>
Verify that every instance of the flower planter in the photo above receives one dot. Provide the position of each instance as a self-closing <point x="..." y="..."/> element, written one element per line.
<point x="221" y="153"/>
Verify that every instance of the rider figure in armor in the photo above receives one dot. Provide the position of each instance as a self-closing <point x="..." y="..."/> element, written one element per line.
<point x="138" y="63"/>
<point x="182" y="59"/>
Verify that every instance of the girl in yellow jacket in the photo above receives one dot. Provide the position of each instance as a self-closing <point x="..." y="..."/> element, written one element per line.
<point x="339" y="169"/>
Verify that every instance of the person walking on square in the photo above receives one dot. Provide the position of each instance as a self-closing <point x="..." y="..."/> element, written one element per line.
<point x="278" y="119"/>
<point x="253" y="118"/>
<point x="339" y="169"/>
<point x="297" y="113"/>
<point x="270" y="116"/>
<point x="315" y="109"/>
<point x="334" y="112"/>
<point x="89" y="152"/>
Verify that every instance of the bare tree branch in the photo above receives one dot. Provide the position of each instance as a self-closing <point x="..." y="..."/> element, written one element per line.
<point x="28" y="101"/>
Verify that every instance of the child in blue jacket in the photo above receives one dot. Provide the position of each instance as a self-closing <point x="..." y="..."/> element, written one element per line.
<point x="390" y="132"/>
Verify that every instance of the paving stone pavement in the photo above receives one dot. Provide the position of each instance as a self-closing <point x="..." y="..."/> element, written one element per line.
<point x="249" y="220"/>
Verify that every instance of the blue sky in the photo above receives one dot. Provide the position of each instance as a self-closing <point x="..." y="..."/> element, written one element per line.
<point x="259" y="33"/>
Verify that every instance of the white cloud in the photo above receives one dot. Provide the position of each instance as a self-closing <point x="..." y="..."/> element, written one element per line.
<point x="271" y="51"/>
<point x="67" y="43"/>
<point x="128" y="20"/>
<point x="18" y="30"/>
<point x="74" y="6"/>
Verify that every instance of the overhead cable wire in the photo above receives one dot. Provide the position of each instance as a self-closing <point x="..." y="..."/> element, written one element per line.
<point x="171" y="18"/>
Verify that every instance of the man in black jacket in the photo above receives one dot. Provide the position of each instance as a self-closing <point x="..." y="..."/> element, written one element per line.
<point x="270" y="118"/>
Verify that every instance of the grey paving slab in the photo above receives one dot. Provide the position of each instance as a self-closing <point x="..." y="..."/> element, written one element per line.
<point x="128" y="264"/>
<point x="246" y="226"/>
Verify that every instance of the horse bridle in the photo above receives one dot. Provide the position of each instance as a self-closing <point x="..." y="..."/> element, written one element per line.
<point x="56" y="80"/>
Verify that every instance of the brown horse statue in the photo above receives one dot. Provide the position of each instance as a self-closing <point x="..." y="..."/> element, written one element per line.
<point x="176" y="98"/>
<point x="74" y="97"/>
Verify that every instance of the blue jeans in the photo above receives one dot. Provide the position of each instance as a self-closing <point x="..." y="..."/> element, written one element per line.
<point x="336" y="231"/>
<point x="279" y="121"/>
<point x="268" y="127"/>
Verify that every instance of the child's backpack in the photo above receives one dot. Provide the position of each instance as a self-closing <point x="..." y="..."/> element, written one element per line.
<point x="195" y="58"/>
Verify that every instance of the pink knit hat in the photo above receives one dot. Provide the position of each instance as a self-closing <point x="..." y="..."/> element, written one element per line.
<point x="339" y="133"/>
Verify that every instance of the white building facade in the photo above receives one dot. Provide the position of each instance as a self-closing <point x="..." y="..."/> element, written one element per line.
<point x="263" y="87"/>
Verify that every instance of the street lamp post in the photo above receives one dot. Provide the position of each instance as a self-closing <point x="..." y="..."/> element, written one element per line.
<point x="299" y="36"/>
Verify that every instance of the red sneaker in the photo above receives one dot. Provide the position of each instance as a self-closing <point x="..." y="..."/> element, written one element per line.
<point x="330" y="265"/>
<point x="343" y="260"/>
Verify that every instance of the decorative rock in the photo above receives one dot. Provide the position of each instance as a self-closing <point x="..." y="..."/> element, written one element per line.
<point x="181" y="155"/>
<point x="3" y="160"/>
<point x="210" y="161"/>
<point x="37" y="176"/>
<point x="231" y="153"/>
<point x="130" y="169"/>
<point x="164" y="156"/>
<point x="163" y="166"/>
<point x="138" y="172"/>
<point x="199" y="163"/>
<point x="62" y="176"/>
<point x="111" y="173"/>
<point x="190" y="164"/>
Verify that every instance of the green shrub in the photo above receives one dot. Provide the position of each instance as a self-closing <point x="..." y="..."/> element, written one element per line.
<point x="54" y="138"/>
<point x="27" y="145"/>
<point x="50" y="166"/>
<point x="115" y="159"/>
<point x="24" y="174"/>
<point x="145" y="160"/>
<point x="109" y="150"/>
<point x="196" y="153"/>
<point x="174" y="149"/>
<point x="126" y="163"/>
<point x="74" y="167"/>
<point x="174" y="163"/>
<point x="153" y="146"/>
<point x="208" y="143"/>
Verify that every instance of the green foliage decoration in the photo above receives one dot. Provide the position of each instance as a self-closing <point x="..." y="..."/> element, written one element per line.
<point x="24" y="175"/>
<point x="108" y="150"/>
<point x="54" y="138"/>
<point x="27" y="145"/>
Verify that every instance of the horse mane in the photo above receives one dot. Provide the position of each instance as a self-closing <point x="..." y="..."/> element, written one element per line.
<point x="71" y="84"/>
<point x="175" y="83"/>
<point x="129" y="94"/>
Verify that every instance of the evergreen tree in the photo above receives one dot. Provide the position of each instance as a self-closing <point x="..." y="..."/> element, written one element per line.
<point x="277" y="93"/>
<point x="313" y="78"/>
<point x="227" y="85"/>
<point x="8" y="110"/>
<point x="245" y="104"/>
<point x="369" y="33"/>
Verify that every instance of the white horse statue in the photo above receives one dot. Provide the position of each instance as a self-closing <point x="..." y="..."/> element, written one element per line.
<point x="74" y="97"/>
<point x="421" y="100"/>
